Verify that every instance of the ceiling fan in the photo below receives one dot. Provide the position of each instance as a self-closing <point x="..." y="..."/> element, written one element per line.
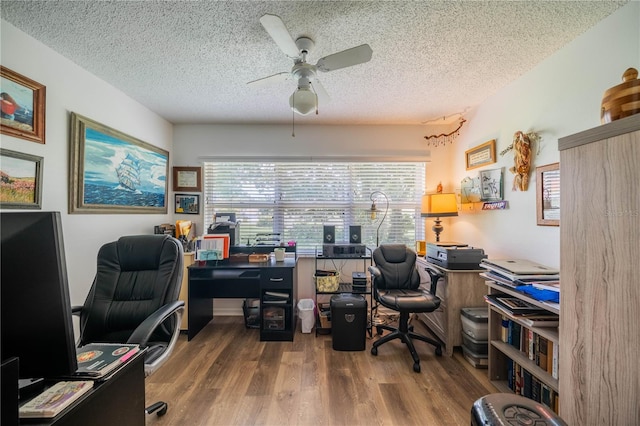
<point x="304" y="99"/>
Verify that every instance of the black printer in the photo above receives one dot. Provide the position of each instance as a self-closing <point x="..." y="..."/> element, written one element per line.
<point x="454" y="255"/>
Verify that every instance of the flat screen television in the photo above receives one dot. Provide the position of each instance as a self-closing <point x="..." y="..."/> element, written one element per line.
<point x="36" y="310"/>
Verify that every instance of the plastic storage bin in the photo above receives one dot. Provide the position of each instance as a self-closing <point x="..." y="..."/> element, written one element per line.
<point x="349" y="322"/>
<point x="273" y="318"/>
<point x="475" y="359"/>
<point x="480" y="347"/>
<point x="475" y="322"/>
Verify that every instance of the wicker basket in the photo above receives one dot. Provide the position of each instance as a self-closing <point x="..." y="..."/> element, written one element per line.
<point x="327" y="283"/>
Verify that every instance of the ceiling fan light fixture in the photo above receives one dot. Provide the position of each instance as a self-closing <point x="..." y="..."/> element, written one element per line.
<point x="303" y="101"/>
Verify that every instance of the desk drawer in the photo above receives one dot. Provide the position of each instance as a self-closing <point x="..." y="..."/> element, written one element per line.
<point x="276" y="278"/>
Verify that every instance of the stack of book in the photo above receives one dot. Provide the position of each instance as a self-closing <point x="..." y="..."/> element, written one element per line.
<point x="537" y="281"/>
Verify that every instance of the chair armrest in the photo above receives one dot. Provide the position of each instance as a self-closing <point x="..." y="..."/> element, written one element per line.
<point x="435" y="276"/>
<point x="375" y="272"/>
<point x="143" y="332"/>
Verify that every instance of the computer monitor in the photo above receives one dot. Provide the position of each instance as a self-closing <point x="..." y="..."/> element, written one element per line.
<point x="36" y="310"/>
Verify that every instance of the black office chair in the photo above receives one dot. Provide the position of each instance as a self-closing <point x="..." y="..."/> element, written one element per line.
<point x="396" y="285"/>
<point x="134" y="299"/>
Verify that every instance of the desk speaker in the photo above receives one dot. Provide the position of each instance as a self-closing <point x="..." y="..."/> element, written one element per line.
<point x="329" y="234"/>
<point x="355" y="234"/>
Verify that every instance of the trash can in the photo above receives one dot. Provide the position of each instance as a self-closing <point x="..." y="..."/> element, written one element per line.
<point x="510" y="409"/>
<point x="307" y="317"/>
<point x="348" y="322"/>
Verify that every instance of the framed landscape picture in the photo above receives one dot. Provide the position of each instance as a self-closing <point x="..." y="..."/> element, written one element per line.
<point x="22" y="103"/>
<point x="111" y="172"/>
<point x="20" y="180"/>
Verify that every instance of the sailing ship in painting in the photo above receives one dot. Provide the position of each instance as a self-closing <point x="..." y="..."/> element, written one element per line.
<point x="128" y="172"/>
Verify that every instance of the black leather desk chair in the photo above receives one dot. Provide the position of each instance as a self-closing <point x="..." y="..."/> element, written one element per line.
<point x="134" y="298"/>
<point x="396" y="285"/>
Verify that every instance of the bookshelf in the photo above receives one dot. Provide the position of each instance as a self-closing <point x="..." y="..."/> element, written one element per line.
<point x="521" y="351"/>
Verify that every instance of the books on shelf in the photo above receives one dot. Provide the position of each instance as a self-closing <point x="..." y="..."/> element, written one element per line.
<point x="95" y="360"/>
<point x="55" y="399"/>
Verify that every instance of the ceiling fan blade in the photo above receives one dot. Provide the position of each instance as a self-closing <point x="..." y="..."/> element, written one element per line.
<point x="323" y="96"/>
<point x="346" y="58"/>
<point x="281" y="76"/>
<point x="279" y="33"/>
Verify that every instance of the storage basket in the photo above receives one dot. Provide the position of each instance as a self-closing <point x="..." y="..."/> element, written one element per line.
<point x="327" y="283"/>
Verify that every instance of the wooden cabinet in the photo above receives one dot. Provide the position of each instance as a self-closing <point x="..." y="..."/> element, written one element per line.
<point x="599" y="251"/>
<point x="189" y="258"/>
<point x="505" y="355"/>
<point x="457" y="289"/>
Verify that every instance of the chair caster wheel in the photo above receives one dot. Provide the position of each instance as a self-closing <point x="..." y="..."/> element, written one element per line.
<point x="416" y="367"/>
<point x="163" y="410"/>
<point x="439" y="351"/>
<point x="410" y="328"/>
<point x="379" y="330"/>
<point x="374" y="351"/>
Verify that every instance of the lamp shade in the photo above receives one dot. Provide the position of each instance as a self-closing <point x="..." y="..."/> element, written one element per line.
<point x="303" y="101"/>
<point x="439" y="205"/>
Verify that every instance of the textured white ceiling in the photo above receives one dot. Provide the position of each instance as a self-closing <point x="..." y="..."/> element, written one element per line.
<point x="189" y="61"/>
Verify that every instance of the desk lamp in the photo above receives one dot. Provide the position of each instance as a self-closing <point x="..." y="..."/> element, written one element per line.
<point x="374" y="211"/>
<point x="439" y="205"/>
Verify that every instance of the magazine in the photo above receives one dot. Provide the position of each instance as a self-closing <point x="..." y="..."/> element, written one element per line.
<point x="98" y="359"/>
<point x="514" y="306"/>
<point x="55" y="399"/>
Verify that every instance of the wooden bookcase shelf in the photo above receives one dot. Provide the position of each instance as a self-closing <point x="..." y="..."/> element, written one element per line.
<point x="502" y="354"/>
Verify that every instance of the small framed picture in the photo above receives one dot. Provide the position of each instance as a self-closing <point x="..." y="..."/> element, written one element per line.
<point x="21" y="180"/>
<point x="548" y="195"/>
<point x="481" y="155"/>
<point x="22" y="106"/>
<point x="187" y="204"/>
<point x="187" y="179"/>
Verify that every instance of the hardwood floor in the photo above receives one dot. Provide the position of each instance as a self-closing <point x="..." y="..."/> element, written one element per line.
<point x="226" y="376"/>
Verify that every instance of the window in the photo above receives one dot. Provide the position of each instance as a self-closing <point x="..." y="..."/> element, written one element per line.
<point x="295" y="199"/>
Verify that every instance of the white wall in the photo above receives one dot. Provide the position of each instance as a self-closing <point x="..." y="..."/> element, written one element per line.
<point x="559" y="97"/>
<point x="70" y="88"/>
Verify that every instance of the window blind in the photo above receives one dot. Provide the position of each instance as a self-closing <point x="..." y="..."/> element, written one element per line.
<point x="295" y="199"/>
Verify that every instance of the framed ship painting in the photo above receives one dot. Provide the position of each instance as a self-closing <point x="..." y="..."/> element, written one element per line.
<point x="111" y="172"/>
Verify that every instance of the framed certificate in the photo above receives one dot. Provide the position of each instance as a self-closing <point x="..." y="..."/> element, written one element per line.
<point x="481" y="155"/>
<point x="187" y="179"/>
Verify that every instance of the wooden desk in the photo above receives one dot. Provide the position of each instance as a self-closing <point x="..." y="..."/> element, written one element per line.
<point x="120" y="400"/>
<point x="457" y="289"/>
<point x="189" y="258"/>
<point x="223" y="279"/>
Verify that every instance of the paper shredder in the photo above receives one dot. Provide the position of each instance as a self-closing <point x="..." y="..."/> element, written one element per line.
<point x="348" y="322"/>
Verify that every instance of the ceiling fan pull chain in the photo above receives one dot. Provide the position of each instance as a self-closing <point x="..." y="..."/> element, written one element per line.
<point x="293" y="121"/>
